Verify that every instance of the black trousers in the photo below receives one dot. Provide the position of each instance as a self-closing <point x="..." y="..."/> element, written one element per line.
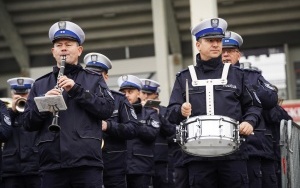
<point x="79" y="177"/>
<point x="181" y="177"/>
<point x="114" y="181"/>
<point x="30" y="181"/>
<point x="269" y="177"/>
<point x="161" y="177"/>
<point x="254" y="172"/>
<point x="138" y="181"/>
<point x="218" y="174"/>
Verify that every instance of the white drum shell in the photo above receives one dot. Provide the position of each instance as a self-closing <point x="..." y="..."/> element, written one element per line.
<point x="209" y="136"/>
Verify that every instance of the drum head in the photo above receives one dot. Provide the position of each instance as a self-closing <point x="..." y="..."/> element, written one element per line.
<point x="210" y="147"/>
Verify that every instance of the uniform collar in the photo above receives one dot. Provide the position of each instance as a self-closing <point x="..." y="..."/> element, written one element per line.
<point x="209" y="65"/>
<point x="137" y="106"/>
<point x="69" y="69"/>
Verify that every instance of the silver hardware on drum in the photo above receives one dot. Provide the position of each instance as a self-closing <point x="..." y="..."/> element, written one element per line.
<point x="209" y="136"/>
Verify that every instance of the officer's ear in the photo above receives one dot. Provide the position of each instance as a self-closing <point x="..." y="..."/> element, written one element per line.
<point x="198" y="43"/>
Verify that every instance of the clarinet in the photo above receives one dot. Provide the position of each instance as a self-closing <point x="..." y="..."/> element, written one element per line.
<point x="54" y="127"/>
<point x="61" y="72"/>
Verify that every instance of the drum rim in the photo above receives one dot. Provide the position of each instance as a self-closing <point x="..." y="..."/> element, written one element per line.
<point x="212" y="117"/>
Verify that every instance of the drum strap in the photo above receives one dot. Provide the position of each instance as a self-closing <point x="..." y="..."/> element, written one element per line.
<point x="209" y="86"/>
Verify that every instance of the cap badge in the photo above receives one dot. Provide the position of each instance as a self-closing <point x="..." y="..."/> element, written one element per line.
<point x="227" y="34"/>
<point x="147" y="82"/>
<point x="214" y="23"/>
<point x="62" y="25"/>
<point x="20" y="82"/>
<point x="94" y="58"/>
<point x="124" y="77"/>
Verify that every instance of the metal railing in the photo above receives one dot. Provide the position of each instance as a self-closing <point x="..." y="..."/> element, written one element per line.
<point x="290" y="154"/>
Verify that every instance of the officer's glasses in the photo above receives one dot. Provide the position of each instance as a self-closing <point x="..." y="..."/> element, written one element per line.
<point x="229" y="50"/>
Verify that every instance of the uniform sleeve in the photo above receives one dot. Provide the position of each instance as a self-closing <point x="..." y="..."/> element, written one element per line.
<point x="99" y="103"/>
<point x="176" y="100"/>
<point x="149" y="127"/>
<point x="276" y="114"/>
<point x="266" y="93"/>
<point x="251" y="107"/>
<point x="33" y="120"/>
<point x="126" y="125"/>
<point x="166" y="128"/>
<point x="5" y="126"/>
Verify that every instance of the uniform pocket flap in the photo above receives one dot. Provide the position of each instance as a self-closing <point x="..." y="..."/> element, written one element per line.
<point x="9" y="152"/>
<point x="89" y="134"/>
<point x="143" y="152"/>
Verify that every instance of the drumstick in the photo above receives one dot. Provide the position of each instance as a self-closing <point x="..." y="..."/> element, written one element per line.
<point x="187" y="92"/>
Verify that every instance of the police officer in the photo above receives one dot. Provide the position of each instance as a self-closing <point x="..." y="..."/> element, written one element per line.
<point x="20" y="156"/>
<point x="259" y="145"/>
<point x="140" y="158"/>
<point x="120" y="127"/>
<point x="150" y="90"/>
<point x="273" y="118"/>
<point x="231" y="99"/>
<point x="70" y="157"/>
<point x="5" y="130"/>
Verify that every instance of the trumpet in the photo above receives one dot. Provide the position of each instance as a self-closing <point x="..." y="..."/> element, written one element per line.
<point x="54" y="127"/>
<point x="20" y="104"/>
<point x="102" y="143"/>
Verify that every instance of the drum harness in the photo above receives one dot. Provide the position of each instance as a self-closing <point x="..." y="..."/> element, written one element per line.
<point x="191" y="142"/>
<point x="209" y="86"/>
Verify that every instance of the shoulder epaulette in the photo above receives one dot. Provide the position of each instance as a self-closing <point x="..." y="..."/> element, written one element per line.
<point x="252" y="70"/>
<point x="236" y="67"/>
<point x="92" y="72"/>
<point x="43" y="76"/>
<point x="117" y="92"/>
<point x="182" y="71"/>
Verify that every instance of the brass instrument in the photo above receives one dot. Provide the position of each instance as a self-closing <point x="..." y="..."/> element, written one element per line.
<point x="54" y="127"/>
<point x="102" y="144"/>
<point x="20" y="104"/>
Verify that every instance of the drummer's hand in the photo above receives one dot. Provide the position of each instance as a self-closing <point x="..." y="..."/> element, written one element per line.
<point x="186" y="109"/>
<point x="246" y="128"/>
<point x="104" y="125"/>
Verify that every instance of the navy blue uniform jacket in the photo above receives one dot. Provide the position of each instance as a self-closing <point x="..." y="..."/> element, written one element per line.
<point x="121" y="126"/>
<point x="20" y="154"/>
<point x="5" y="127"/>
<point x="233" y="100"/>
<point x="140" y="158"/>
<point x="258" y="144"/>
<point x="161" y="143"/>
<point x="79" y="141"/>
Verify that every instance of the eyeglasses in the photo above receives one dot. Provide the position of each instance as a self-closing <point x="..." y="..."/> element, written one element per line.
<point x="229" y="50"/>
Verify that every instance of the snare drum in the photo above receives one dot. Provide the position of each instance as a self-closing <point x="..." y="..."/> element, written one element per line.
<point x="209" y="136"/>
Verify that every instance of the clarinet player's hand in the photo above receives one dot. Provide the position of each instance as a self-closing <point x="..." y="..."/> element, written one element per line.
<point x="53" y="92"/>
<point x="65" y="83"/>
